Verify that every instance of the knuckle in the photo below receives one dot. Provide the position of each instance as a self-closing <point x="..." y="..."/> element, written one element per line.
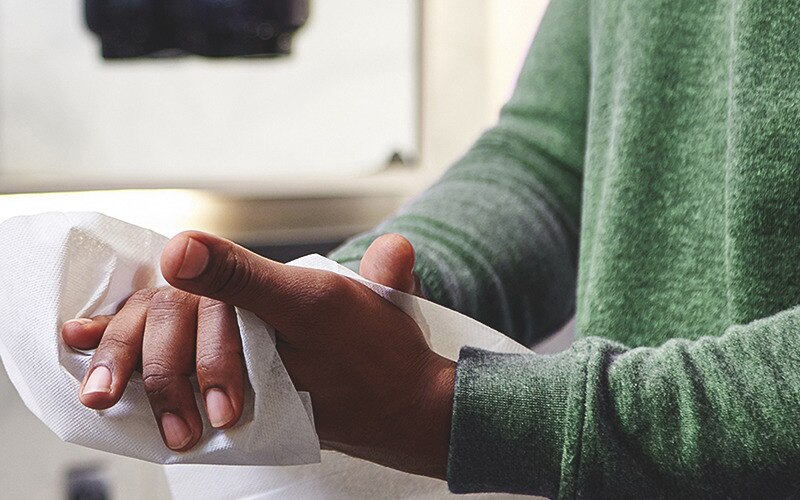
<point x="320" y="293"/>
<point x="213" y="308"/>
<point x="117" y="344"/>
<point x="327" y="288"/>
<point x="209" y="361"/>
<point x="157" y="382"/>
<point x="213" y="357"/>
<point x="170" y="298"/>
<point x="143" y="296"/>
<point x="232" y="277"/>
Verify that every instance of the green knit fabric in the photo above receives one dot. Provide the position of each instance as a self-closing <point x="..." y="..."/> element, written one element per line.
<point x="661" y="139"/>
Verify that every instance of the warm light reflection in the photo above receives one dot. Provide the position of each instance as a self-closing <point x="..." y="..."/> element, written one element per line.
<point x="167" y="211"/>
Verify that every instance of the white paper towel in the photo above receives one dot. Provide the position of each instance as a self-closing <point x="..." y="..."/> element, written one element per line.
<point x="55" y="267"/>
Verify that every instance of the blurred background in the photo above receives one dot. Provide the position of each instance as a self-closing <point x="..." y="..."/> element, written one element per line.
<point x="285" y="126"/>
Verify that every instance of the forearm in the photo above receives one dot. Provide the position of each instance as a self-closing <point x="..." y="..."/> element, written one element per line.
<point x="496" y="238"/>
<point x="492" y="241"/>
<point x="714" y="417"/>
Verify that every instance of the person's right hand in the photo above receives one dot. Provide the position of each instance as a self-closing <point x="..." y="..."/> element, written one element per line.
<point x="389" y="261"/>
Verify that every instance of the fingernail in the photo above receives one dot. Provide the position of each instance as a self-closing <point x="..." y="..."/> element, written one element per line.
<point x="218" y="407"/>
<point x="99" y="381"/>
<point x="176" y="432"/>
<point x="78" y="322"/>
<point x="195" y="260"/>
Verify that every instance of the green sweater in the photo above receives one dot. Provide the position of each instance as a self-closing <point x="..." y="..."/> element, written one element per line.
<point x="650" y="155"/>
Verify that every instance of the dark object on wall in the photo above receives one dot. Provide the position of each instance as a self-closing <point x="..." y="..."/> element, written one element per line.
<point x="87" y="483"/>
<point x="210" y="28"/>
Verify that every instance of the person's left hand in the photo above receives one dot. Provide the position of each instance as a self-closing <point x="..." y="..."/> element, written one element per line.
<point x="378" y="391"/>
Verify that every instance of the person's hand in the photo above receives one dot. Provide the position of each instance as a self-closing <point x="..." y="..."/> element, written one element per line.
<point x="378" y="391"/>
<point x="168" y="334"/>
<point x="389" y="260"/>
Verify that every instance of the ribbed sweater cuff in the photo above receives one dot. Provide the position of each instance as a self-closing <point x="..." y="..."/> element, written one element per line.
<point x="510" y="414"/>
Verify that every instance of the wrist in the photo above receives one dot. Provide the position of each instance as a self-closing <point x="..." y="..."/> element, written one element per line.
<point x="435" y="419"/>
<point x="414" y="435"/>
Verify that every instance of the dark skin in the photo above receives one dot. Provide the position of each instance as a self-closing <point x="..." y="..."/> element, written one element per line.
<point x="378" y="391"/>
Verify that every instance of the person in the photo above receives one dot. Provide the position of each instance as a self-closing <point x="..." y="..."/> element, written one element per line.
<point x="645" y="176"/>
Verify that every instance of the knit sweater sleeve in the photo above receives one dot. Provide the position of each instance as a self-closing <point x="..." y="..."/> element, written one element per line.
<point x="497" y="236"/>
<point x="716" y="417"/>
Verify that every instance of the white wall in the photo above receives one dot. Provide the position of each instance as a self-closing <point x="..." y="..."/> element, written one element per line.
<point x="342" y="102"/>
<point x="473" y="50"/>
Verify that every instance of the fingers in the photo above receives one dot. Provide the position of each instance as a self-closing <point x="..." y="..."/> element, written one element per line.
<point x="281" y="295"/>
<point x="213" y="267"/>
<point x="117" y="354"/>
<point x="389" y="260"/>
<point x="168" y="354"/>
<point x="85" y="333"/>
<point x="220" y="365"/>
<point x="163" y="328"/>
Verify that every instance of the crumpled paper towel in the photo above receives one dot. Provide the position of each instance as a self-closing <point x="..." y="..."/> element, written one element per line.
<point x="55" y="267"/>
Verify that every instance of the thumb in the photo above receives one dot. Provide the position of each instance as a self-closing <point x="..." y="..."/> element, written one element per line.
<point x="389" y="260"/>
<point x="207" y="265"/>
